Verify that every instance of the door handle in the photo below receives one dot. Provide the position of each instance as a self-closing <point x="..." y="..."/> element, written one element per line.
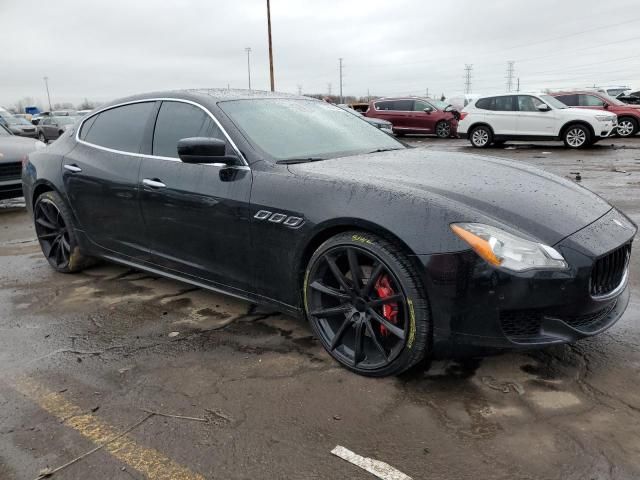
<point x="153" y="183"/>
<point x="73" y="168"/>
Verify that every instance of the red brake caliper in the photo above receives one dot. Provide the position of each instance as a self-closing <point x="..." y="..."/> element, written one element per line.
<point x="389" y="310"/>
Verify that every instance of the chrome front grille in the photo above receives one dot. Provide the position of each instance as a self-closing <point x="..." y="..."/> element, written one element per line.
<point x="609" y="272"/>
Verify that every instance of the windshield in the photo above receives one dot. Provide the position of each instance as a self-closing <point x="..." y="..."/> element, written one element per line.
<point x="552" y="101"/>
<point x="613" y="101"/>
<point x="439" y="105"/>
<point x="614" y="92"/>
<point x="11" y="120"/>
<point x="287" y="129"/>
<point x="64" y="120"/>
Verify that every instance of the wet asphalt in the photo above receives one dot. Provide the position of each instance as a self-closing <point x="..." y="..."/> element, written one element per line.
<point x="84" y="357"/>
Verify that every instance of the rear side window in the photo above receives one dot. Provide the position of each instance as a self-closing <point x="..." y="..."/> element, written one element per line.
<point x="486" y="103"/>
<point x="86" y="127"/>
<point x="395" y="105"/>
<point x="177" y="120"/>
<point x="120" y="128"/>
<point x="569" y="100"/>
<point x="505" y="104"/>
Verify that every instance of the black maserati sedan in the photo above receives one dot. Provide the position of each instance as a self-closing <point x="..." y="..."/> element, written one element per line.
<point x="393" y="254"/>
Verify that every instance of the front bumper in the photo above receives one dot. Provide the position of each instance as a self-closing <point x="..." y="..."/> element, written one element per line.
<point x="477" y="309"/>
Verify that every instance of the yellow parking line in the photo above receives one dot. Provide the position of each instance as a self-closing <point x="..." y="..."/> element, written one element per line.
<point x="149" y="462"/>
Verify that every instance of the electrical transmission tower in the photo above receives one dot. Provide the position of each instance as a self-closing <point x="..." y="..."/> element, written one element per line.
<point x="510" y="75"/>
<point x="467" y="77"/>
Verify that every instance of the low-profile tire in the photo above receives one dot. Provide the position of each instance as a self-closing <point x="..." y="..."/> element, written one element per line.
<point x="481" y="136"/>
<point x="576" y="136"/>
<point x="627" y="127"/>
<point x="443" y="129"/>
<point x="42" y="138"/>
<point x="57" y="237"/>
<point x="367" y="305"/>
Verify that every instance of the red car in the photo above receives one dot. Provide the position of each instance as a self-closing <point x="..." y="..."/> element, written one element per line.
<point x="628" y="115"/>
<point x="416" y="115"/>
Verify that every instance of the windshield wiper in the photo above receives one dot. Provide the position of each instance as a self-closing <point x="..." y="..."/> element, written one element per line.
<point x="383" y="150"/>
<point x="291" y="161"/>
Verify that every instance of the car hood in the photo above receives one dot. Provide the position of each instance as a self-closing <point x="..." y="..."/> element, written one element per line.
<point x="13" y="149"/>
<point x="587" y="112"/>
<point x="505" y="193"/>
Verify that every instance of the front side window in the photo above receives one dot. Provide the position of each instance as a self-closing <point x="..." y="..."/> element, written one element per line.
<point x="590" y="101"/>
<point x="46" y="121"/>
<point x="527" y="103"/>
<point x="177" y="120"/>
<point x="419" y="106"/>
<point x="120" y="128"/>
<point x="288" y="129"/>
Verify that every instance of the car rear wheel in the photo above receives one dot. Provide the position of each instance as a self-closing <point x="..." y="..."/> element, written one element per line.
<point x="56" y="234"/>
<point x="443" y="129"/>
<point x="366" y="304"/>
<point x="627" y="127"/>
<point x="481" y="136"/>
<point x="577" y="136"/>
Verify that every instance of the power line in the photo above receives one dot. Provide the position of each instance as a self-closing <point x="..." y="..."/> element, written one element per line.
<point x="467" y="80"/>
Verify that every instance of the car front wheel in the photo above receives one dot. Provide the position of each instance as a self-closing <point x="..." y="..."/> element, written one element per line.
<point x="577" y="136"/>
<point x="481" y="137"/>
<point x="56" y="234"/>
<point x="443" y="129"/>
<point x="627" y="127"/>
<point x="366" y="304"/>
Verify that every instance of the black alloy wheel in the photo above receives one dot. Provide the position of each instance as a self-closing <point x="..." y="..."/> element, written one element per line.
<point x="56" y="235"/>
<point x="443" y="129"/>
<point x="364" y="310"/>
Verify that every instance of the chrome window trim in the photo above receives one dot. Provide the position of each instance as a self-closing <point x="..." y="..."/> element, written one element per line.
<point x="159" y="157"/>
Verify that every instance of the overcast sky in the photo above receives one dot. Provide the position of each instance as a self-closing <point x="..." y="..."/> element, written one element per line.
<point x="106" y="49"/>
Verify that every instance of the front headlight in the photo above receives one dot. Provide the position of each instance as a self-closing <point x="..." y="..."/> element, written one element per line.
<point x="604" y="118"/>
<point x="505" y="250"/>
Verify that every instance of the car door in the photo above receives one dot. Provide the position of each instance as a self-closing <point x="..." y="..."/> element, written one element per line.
<point x="101" y="178"/>
<point x="197" y="215"/>
<point x="503" y="115"/>
<point x="398" y="112"/>
<point x="534" y="122"/>
<point x="45" y="128"/>
<point x="422" y="121"/>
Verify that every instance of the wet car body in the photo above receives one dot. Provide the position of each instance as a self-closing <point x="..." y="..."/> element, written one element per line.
<point x="249" y="230"/>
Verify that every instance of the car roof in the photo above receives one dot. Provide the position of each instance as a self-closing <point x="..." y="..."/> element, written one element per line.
<point x="209" y="95"/>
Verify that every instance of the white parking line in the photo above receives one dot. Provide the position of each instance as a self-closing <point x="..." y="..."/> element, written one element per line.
<point x="380" y="469"/>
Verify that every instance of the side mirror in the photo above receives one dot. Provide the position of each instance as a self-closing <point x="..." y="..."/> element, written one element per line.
<point x="605" y="105"/>
<point x="205" y="150"/>
<point x="543" y="107"/>
<point x="428" y="110"/>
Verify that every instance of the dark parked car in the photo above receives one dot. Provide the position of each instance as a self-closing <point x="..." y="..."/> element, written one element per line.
<point x="383" y="125"/>
<point x="391" y="253"/>
<point x="415" y="115"/>
<point x="628" y="115"/>
<point x="13" y="150"/>
<point x="18" y="126"/>
<point x="51" y="127"/>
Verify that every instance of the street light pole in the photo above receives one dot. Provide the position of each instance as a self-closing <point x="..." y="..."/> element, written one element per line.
<point x="248" y="50"/>
<point x="46" y="84"/>
<point x="270" y="45"/>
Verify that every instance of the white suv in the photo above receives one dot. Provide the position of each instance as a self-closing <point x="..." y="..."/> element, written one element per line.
<point x="528" y="117"/>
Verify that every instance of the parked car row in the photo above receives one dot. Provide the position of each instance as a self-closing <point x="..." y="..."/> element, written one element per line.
<point x="578" y="118"/>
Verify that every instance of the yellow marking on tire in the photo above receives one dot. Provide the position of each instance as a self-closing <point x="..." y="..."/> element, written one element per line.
<point x="148" y="461"/>
<point x="412" y="324"/>
<point x="361" y="239"/>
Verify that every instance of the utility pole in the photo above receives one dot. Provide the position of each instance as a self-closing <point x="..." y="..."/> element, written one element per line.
<point x="518" y="88"/>
<point x="299" y="89"/>
<point x="509" y="76"/>
<point x="340" y="61"/>
<point x="270" y="46"/>
<point x="427" y="92"/>
<point x="467" y="77"/>
<point x="248" y="50"/>
<point x="329" y="88"/>
<point x="368" y="96"/>
<point x="46" y="84"/>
